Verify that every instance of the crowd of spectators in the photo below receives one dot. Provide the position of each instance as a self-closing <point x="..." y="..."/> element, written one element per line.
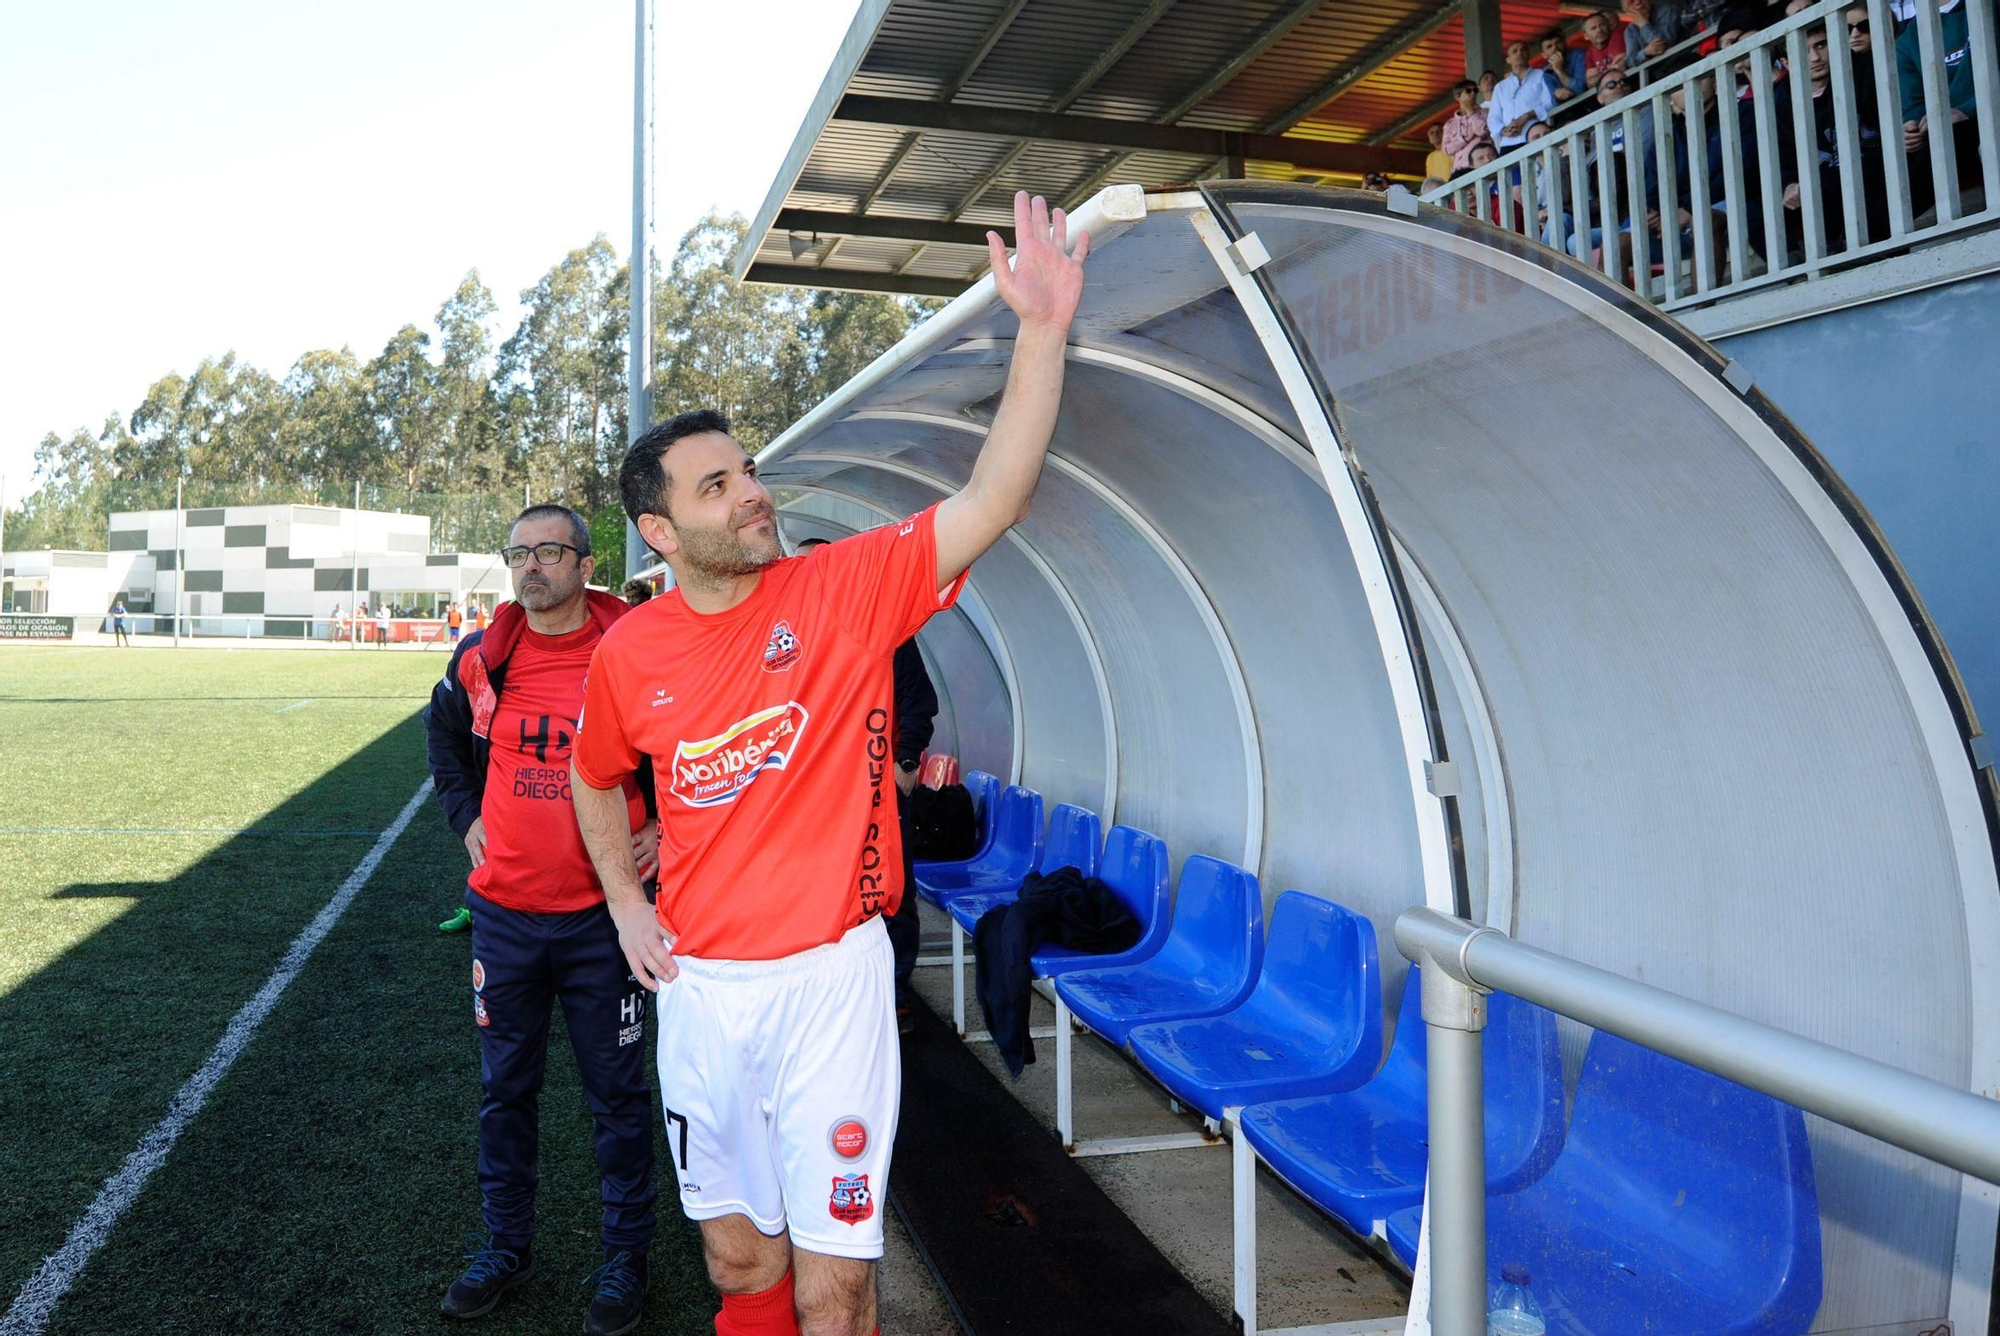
<point x="1492" y="116"/>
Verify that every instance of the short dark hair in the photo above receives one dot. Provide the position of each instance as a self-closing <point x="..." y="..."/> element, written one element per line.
<point x="579" y="531"/>
<point x="1553" y="35"/>
<point x="1464" y="86"/>
<point x="643" y="479"/>
<point x="637" y="591"/>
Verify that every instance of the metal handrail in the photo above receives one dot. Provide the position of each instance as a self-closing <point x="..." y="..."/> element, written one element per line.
<point x="1462" y="962"/>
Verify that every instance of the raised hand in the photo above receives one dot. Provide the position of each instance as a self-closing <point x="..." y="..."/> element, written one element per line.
<point x="1046" y="280"/>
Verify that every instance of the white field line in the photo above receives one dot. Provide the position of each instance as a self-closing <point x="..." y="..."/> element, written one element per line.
<point x="287" y="709"/>
<point x="29" y="1314"/>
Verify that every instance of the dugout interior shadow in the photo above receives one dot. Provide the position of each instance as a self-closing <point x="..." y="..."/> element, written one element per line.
<point x="94" y="1045"/>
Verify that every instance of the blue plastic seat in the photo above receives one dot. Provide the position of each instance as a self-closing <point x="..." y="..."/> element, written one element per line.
<point x="984" y="789"/>
<point x="1076" y="839"/>
<point x="1207" y="965"/>
<point x="1135" y="868"/>
<point x="1016" y="845"/>
<point x="1681" y="1203"/>
<point x="1360" y="1155"/>
<point x="1311" y="1025"/>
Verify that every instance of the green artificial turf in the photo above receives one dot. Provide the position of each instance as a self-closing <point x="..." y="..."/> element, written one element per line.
<point x="174" y="819"/>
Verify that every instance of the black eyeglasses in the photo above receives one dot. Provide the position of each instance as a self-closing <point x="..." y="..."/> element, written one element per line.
<point x="1860" y="26"/>
<point x="546" y="554"/>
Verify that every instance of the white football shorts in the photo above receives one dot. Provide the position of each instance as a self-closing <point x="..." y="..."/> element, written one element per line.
<point x="781" y="1080"/>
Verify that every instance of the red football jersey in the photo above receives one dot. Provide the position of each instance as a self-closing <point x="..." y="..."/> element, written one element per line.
<point x="769" y="726"/>
<point x="535" y="859"/>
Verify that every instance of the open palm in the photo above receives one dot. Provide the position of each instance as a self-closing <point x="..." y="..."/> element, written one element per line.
<point x="1046" y="279"/>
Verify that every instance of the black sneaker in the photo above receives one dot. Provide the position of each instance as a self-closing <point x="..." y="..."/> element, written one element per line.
<point x="492" y="1271"/>
<point x="620" y="1296"/>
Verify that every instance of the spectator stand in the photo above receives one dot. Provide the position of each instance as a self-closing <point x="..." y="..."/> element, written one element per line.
<point x="1778" y="224"/>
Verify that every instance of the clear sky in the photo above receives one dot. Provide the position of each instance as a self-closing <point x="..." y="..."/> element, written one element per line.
<point x="181" y="179"/>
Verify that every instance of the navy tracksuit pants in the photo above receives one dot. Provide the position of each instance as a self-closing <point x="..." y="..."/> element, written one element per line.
<point x="523" y="963"/>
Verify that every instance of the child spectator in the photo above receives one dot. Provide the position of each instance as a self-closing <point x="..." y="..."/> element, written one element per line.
<point x="1437" y="162"/>
<point x="1466" y="128"/>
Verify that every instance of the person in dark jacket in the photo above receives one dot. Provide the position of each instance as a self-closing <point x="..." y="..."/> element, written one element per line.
<point x="916" y="715"/>
<point x="500" y="728"/>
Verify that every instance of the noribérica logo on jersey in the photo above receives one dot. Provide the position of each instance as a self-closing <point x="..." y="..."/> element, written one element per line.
<point x="715" y="770"/>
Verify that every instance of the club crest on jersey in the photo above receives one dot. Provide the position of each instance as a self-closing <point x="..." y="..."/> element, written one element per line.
<point x="782" y="650"/>
<point x="715" y="770"/>
<point x="852" y="1201"/>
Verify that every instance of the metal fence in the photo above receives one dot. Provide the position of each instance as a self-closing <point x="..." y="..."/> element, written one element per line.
<point x="339" y="632"/>
<point x="1733" y="174"/>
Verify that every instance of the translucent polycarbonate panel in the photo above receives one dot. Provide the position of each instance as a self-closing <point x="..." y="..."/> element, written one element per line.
<point x="1138" y="616"/>
<point x="1253" y="527"/>
<point x="1717" y="772"/>
<point x="1033" y="635"/>
<point x="975" y="719"/>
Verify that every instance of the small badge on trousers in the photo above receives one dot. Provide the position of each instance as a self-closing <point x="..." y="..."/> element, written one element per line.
<point x="848" y="1138"/>
<point x="852" y="1202"/>
<point x="478" y="975"/>
<point x="479" y="1011"/>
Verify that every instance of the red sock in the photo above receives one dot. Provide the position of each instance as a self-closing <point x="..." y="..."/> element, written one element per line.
<point x="768" y="1313"/>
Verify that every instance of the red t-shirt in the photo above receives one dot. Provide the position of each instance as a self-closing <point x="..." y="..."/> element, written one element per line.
<point x="769" y="726"/>
<point x="535" y="859"/>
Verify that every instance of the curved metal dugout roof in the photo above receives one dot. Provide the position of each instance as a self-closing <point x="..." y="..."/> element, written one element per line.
<point x="1407" y="562"/>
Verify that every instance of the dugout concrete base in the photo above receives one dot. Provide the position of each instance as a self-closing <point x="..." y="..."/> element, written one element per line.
<point x="1308" y="1271"/>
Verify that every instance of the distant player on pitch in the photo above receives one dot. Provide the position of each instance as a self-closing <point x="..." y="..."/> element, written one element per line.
<point x="501" y="726"/>
<point x="760" y="688"/>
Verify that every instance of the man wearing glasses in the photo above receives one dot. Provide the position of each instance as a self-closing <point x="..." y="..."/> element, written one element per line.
<point x="501" y="725"/>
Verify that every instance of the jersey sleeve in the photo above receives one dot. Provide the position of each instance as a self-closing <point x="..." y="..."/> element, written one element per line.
<point x="604" y="755"/>
<point x="882" y="585"/>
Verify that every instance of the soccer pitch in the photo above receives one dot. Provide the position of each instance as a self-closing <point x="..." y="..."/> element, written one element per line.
<point x="175" y="820"/>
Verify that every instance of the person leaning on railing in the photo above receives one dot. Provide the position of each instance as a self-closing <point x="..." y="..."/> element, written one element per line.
<point x="1602" y="51"/>
<point x="1650" y="29"/>
<point x="1562" y="65"/>
<point x="1959" y="93"/>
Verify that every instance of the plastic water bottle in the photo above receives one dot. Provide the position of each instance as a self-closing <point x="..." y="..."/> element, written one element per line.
<point x="1513" y="1310"/>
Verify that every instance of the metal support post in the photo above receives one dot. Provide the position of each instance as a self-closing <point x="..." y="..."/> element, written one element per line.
<point x="1065" y="1056"/>
<point x="1454" y="1009"/>
<point x="958" y="978"/>
<point x="1243" y="1201"/>
<point x="354" y="573"/>
<point x="180" y="564"/>
<point x="639" y="285"/>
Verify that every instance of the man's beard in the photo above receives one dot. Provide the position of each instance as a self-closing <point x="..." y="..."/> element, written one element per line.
<point x="541" y="595"/>
<point x="721" y="554"/>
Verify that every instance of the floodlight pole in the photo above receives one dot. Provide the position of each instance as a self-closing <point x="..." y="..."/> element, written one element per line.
<point x="354" y="573"/>
<point x="639" y="330"/>
<point x="180" y="564"/>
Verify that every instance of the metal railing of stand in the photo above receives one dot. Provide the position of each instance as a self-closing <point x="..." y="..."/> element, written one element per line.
<point x="1776" y="185"/>
<point x="1462" y="962"/>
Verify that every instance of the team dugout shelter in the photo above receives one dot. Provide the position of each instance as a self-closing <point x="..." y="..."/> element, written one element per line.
<point x="1314" y="585"/>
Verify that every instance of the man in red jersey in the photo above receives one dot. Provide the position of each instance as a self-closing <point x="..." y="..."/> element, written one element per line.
<point x="760" y="687"/>
<point x="501" y="725"/>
